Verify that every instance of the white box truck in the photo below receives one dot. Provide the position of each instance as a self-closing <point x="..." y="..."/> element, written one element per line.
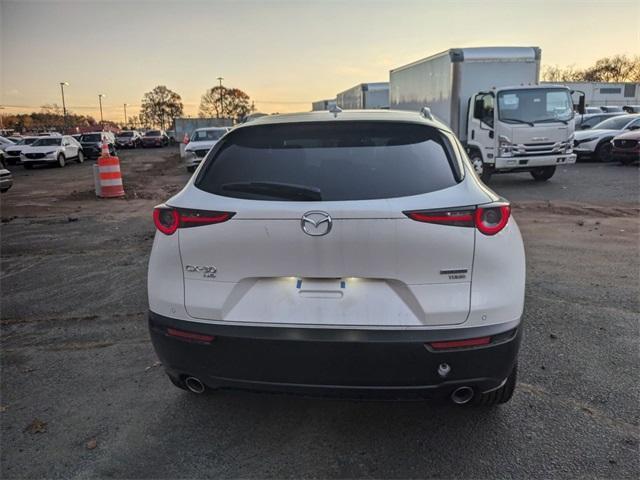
<point x="491" y="99"/>
<point x="364" y="96"/>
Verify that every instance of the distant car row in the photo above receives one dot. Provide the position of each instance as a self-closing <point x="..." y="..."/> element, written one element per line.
<point x="615" y="138"/>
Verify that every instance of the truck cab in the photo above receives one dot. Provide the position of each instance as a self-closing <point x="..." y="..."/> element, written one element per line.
<point x="521" y="128"/>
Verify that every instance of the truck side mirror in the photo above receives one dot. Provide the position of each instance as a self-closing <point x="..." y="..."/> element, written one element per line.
<point x="478" y="108"/>
<point x="581" y="106"/>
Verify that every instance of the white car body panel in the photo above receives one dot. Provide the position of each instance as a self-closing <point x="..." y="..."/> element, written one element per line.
<point x="377" y="269"/>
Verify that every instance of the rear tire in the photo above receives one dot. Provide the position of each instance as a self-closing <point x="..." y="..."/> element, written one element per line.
<point x="61" y="161"/>
<point x="483" y="170"/>
<point x="501" y="395"/>
<point x="604" y="152"/>
<point x="543" y="174"/>
<point x="80" y="157"/>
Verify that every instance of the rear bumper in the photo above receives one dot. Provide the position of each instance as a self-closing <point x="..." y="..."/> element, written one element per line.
<point x="336" y="362"/>
<point x="527" y="163"/>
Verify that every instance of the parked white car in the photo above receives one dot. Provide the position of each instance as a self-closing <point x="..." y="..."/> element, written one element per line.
<point x="596" y="141"/>
<point x="353" y="253"/>
<point x="200" y="143"/>
<point x="53" y="150"/>
<point x="12" y="152"/>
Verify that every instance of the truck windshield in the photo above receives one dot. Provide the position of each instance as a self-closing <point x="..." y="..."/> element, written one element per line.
<point x="535" y="105"/>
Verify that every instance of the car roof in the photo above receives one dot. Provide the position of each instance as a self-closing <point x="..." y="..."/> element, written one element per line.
<point x="203" y="129"/>
<point x="346" y="116"/>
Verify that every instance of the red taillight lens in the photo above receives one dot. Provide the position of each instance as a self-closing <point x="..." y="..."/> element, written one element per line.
<point x="190" y="336"/>
<point x="460" y="218"/>
<point x="471" y="342"/>
<point x="168" y="220"/>
<point x="491" y="220"/>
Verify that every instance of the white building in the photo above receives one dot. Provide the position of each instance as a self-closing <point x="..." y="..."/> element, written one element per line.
<point x="323" y="104"/>
<point x="603" y="93"/>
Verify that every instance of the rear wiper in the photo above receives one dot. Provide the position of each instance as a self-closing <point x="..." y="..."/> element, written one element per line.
<point x="517" y="120"/>
<point x="286" y="191"/>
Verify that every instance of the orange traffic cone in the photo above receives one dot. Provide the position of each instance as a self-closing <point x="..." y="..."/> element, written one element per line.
<point x="109" y="174"/>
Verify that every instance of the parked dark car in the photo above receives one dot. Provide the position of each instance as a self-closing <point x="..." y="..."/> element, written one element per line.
<point x="128" y="139"/>
<point x="155" y="138"/>
<point x="626" y="147"/>
<point x="611" y="108"/>
<point x="92" y="143"/>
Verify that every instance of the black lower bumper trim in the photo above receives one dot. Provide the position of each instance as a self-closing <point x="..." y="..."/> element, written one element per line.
<point x="351" y="363"/>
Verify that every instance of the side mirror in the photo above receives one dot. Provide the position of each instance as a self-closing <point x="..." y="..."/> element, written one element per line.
<point x="581" y="105"/>
<point x="478" y="108"/>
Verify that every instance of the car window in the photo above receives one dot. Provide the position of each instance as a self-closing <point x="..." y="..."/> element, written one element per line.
<point x="332" y="161"/>
<point x="615" y="123"/>
<point x="47" y="142"/>
<point x="153" y="133"/>
<point x="634" y="124"/>
<point x="204" y="135"/>
<point x="91" y="137"/>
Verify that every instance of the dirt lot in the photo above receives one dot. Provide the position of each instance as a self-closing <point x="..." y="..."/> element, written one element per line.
<point x="84" y="396"/>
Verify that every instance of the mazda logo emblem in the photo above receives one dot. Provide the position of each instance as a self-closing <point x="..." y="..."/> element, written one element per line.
<point x="316" y="223"/>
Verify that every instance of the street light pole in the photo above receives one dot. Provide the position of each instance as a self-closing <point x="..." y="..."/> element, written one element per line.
<point x="100" y="95"/>
<point x="64" y="106"/>
<point x="220" y="80"/>
<point x="125" y="114"/>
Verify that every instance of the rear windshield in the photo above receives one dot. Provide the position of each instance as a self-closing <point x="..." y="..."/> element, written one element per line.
<point x="91" y="137"/>
<point x="125" y="134"/>
<point x="329" y="161"/>
<point x="204" y="135"/>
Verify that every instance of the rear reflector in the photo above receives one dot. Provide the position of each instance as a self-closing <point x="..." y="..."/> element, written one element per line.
<point x="190" y="336"/>
<point x="471" y="342"/>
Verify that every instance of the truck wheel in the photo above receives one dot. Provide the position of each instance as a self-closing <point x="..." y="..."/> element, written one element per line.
<point x="501" y="395"/>
<point x="61" y="161"/>
<point x="604" y="152"/>
<point x="543" y="174"/>
<point x="483" y="170"/>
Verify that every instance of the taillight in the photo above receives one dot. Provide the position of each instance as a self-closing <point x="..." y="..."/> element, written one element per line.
<point x="168" y="219"/>
<point x="460" y="218"/>
<point x="489" y="220"/>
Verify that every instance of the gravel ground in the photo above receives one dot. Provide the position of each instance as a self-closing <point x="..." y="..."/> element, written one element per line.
<point x="84" y="396"/>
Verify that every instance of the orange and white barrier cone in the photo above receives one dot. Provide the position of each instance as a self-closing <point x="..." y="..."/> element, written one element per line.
<point x="109" y="175"/>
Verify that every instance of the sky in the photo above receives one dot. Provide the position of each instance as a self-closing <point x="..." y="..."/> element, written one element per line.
<point x="284" y="54"/>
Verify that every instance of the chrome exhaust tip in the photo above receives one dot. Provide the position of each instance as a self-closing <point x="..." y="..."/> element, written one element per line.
<point x="194" y="385"/>
<point x="462" y="395"/>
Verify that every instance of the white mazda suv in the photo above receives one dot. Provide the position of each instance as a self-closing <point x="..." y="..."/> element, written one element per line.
<point x="352" y="253"/>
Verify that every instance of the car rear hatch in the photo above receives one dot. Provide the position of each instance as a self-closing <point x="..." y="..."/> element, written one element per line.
<point x="287" y="256"/>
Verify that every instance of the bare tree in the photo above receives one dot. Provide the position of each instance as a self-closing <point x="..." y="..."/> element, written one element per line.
<point x="220" y="101"/>
<point x="160" y="106"/>
<point x="619" y="68"/>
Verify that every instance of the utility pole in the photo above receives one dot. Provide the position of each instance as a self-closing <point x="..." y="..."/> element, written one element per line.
<point x="100" y="95"/>
<point x="220" y="80"/>
<point x="64" y="106"/>
<point x="125" y="114"/>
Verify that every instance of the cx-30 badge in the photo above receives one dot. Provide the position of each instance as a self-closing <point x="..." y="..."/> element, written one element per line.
<point x="316" y="223"/>
<point x="208" y="271"/>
